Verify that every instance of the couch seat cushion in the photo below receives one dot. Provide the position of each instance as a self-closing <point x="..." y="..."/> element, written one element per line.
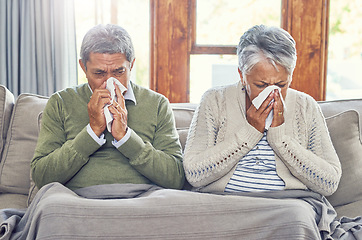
<point x="13" y="200"/>
<point x="350" y="210"/>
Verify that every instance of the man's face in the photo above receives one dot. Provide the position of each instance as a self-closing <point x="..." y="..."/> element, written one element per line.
<point x="102" y="66"/>
<point x="264" y="74"/>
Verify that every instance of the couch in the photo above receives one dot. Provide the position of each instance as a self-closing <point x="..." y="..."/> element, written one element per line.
<point x="19" y="130"/>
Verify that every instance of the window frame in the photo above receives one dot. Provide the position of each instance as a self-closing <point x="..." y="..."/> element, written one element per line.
<point x="173" y="40"/>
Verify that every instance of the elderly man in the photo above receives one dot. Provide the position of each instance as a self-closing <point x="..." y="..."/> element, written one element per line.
<point x="75" y="146"/>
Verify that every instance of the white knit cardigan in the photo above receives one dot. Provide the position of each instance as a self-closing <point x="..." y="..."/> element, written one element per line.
<point x="220" y="136"/>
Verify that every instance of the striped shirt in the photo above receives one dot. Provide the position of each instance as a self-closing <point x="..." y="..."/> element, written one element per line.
<point x="256" y="171"/>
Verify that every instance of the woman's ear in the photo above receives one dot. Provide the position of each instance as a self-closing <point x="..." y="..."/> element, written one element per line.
<point x="241" y="77"/>
<point x="290" y="78"/>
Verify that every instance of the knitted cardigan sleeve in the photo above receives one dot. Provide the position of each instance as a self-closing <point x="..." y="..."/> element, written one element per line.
<point x="309" y="153"/>
<point x="208" y="154"/>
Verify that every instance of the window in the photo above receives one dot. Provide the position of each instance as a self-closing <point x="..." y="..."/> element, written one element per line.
<point x="221" y="22"/>
<point x="132" y="15"/>
<point x="216" y="32"/>
<point x="344" y="71"/>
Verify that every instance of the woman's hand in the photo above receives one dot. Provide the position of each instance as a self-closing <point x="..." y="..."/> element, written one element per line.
<point x="278" y="115"/>
<point x="257" y="117"/>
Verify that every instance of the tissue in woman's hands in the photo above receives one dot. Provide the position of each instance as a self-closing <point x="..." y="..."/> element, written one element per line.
<point x="112" y="89"/>
<point x="261" y="98"/>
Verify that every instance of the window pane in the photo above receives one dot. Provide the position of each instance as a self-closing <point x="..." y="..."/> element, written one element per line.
<point x="132" y="15"/>
<point x="222" y="22"/>
<point x="344" y="74"/>
<point x="211" y="70"/>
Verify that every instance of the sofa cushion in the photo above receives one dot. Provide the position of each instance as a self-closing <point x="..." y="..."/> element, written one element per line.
<point x="183" y="113"/>
<point x="33" y="190"/>
<point x="345" y="130"/>
<point x="349" y="210"/>
<point x="331" y="108"/>
<point x="12" y="200"/>
<point x="20" y="144"/>
<point x="6" y="107"/>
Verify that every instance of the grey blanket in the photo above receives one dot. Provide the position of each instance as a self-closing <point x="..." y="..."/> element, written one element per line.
<point x="138" y="211"/>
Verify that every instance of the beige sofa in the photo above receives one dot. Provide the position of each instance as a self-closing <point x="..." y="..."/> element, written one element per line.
<point x="19" y="131"/>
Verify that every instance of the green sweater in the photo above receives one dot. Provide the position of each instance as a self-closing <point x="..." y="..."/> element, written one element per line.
<point x="66" y="153"/>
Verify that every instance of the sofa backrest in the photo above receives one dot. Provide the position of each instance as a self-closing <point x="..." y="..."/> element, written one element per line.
<point x="19" y="132"/>
<point x="183" y="113"/>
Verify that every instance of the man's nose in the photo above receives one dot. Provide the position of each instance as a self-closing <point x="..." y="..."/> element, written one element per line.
<point x="105" y="78"/>
<point x="108" y="75"/>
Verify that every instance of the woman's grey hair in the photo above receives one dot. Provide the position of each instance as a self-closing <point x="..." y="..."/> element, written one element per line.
<point x="108" y="39"/>
<point x="272" y="43"/>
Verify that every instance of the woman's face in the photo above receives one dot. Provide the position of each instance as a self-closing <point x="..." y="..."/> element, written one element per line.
<point x="262" y="75"/>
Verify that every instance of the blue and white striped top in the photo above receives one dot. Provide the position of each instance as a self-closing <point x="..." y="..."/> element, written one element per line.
<point x="256" y="171"/>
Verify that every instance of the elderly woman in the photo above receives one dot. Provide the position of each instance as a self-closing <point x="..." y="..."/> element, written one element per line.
<point x="234" y="145"/>
<point x="266" y="143"/>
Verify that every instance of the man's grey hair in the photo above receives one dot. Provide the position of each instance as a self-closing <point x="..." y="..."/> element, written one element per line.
<point x="272" y="43"/>
<point x="108" y="39"/>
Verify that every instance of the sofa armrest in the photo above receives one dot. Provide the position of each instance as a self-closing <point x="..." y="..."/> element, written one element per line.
<point x="6" y="107"/>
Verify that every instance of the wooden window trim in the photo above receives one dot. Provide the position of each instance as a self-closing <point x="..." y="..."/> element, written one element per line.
<point x="170" y="49"/>
<point x="213" y="49"/>
<point x="308" y="23"/>
<point x="204" y="49"/>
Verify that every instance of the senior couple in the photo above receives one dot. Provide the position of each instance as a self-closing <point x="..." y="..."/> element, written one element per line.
<point x="257" y="135"/>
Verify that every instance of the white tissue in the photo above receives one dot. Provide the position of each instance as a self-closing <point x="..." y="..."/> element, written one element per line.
<point x="111" y="88"/>
<point x="261" y="98"/>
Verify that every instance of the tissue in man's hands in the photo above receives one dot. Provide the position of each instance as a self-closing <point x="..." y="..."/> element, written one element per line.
<point x="111" y="88"/>
<point x="261" y="98"/>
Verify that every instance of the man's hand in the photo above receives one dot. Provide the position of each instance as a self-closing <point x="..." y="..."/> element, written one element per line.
<point x="257" y="117"/>
<point x="119" y="111"/>
<point x="278" y="115"/>
<point x="99" y="99"/>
